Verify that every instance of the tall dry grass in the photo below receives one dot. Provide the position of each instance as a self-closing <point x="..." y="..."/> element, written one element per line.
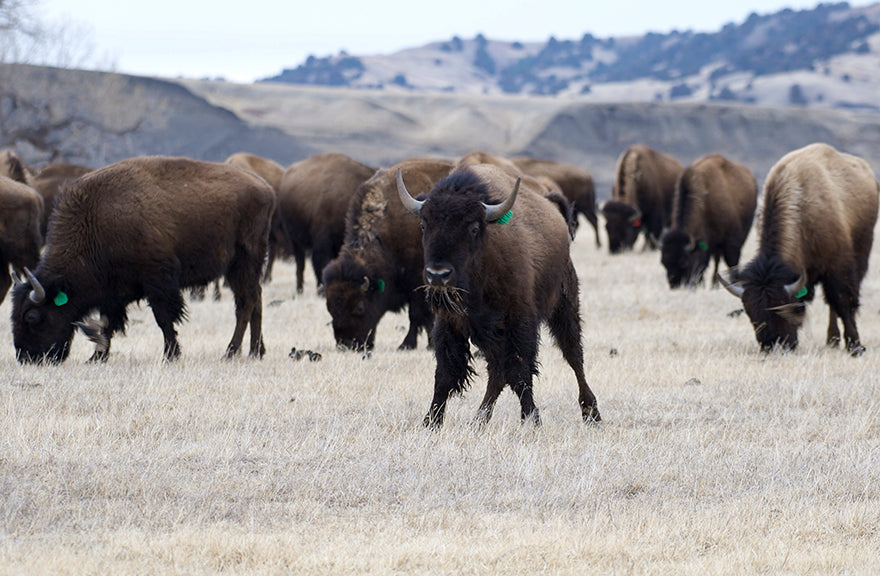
<point x="712" y="457"/>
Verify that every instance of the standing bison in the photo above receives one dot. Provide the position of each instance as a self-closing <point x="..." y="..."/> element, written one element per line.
<point x="380" y="266"/>
<point x="817" y="227"/>
<point x="145" y="228"/>
<point x="575" y="182"/>
<point x="312" y="201"/>
<point x="641" y="198"/>
<point x="496" y="265"/>
<point x="713" y="208"/>
<point x="21" y="210"/>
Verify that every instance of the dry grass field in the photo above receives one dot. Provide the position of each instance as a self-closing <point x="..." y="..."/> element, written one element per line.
<point x="712" y="457"/>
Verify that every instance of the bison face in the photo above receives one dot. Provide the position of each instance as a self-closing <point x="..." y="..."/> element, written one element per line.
<point x="42" y="322"/>
<point x="773" y="300"/>
<point x="453" y="220"/>
<point x="684" y="258"/>
<point x="355" y="302"/>
<point x="623" y="224"/>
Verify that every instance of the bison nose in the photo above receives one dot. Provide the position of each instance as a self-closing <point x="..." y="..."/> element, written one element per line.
<point x="438" y="275"/>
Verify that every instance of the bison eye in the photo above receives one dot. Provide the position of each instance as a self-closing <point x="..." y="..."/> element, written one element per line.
<point x="475" y="229"/>
<point x="360" y="309"/>
<point x="33" y="317"/>
<point x="422" y="225"/>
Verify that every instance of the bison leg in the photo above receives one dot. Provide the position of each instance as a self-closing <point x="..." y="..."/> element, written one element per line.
<point x="519" y="366"/>
<point x="591" y="217"/>
<point x="843" y="299"/>
<point x="493" y="391"/>
<point x="258" y="349"/>
<point x="565" y="326"/>
<point x="453" y="371"/>
<point x="299" y="256"/>
<point x="167" y="310"/>
<point x="833" y="339"/>
<point x="419" y="317"/>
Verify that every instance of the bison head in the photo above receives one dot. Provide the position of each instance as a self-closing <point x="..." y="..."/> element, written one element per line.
<point x="42" y="320"/>
<point x="453" y="219"/>
<point x="684" y="258"/>
<point x="354" y="297"/>
<point x="623" y="222"/>
<point x="773" y="297"/>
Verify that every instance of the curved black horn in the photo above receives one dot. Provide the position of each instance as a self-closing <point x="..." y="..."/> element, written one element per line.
<point x="796" y="286"/>
<point x="496" y="211"/>
<point x="733" y="288"/>
<point x="410" y="203"/>
<point x="38" y="293"/>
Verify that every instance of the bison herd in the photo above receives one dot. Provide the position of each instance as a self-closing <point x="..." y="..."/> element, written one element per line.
<point x="477" y="249"/>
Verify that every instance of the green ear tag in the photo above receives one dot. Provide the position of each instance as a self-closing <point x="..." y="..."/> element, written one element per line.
<point x="381" y="284"/>
<point x="506" y="218"/>
<point x="60" y="299"/>
<point x="702" y="246"/>
<point x="801" y="293"/>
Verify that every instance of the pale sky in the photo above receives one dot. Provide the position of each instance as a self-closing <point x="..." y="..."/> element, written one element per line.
<point x="250" y="39"/>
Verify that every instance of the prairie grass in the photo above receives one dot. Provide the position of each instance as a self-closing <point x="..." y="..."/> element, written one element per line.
<point x="712" y="457"/>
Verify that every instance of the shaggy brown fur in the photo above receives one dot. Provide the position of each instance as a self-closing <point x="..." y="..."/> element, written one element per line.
<point x="145" y="228"/>
<point x="49" y="182"/>
<point x="820" y="208"/>
<point x="641" y="197"/>
<point x="492" y="282"/>
<point x="271" y="172"/>
<point x="714" y="204"/>
<point x="21" y="210"/>
<point x="575" y="182"/>
<point x="312" y="201"/>
<point x="379" y="268"/>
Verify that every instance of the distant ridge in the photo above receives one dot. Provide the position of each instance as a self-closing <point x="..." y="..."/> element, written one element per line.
<point x="827" y="57"/>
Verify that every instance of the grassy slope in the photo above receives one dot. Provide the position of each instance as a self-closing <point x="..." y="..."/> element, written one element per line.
<point x="712" y="457"/>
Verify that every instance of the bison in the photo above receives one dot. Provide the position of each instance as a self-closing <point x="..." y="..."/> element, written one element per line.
<point x="145" y="228"/>
<point x="575" y="183"/>
<point x="271" y="172"/>
<point x="313" y="201"/>
<point x="21" y="210"/>
<point x="641" y="197"/>
<point x="713" y="208"/>
<point x="493" y="274"/>
<point x="380" y="266"/>
<point x="817" y="227"/>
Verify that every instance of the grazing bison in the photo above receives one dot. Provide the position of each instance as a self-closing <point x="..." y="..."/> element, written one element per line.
<point x="271" y="172"/>
<point x="712" y="214"/>
<point x="145" y="228"/>
<point x="380" y="266"/>
<point x="817" y="227"/>
<point x="21" y="209"/>
<point x="576" y="184"/>
<point x="494" y="271"/>
<point x="641" y="197"/>
<point x="313" y="200"/>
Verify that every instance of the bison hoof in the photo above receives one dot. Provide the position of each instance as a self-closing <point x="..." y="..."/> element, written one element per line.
<point x="98" y="358"/>
<point x="856" y="350"/>
<point x="433" y="421"/>
<point x="591" y="415"/>
<point x="833" y="341"/>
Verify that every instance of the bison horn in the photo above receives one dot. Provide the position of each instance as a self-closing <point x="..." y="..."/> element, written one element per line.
<point x="733" y="288"/>
<point x="692" y="243"/>
<point x="38" y="293"/>
<point x="410" y="203"/>
<point x="365" y="287"/>
<point x="636" y="216"/>
<point x="796" y="286"/>
<point x="496" y="211"/>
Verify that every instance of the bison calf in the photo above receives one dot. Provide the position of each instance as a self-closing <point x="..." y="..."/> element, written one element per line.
<point x="493" y="274"/>
<point x="145" y="228"/>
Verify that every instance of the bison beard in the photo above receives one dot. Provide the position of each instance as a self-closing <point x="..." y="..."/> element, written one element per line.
<point x="479" y="295"/>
